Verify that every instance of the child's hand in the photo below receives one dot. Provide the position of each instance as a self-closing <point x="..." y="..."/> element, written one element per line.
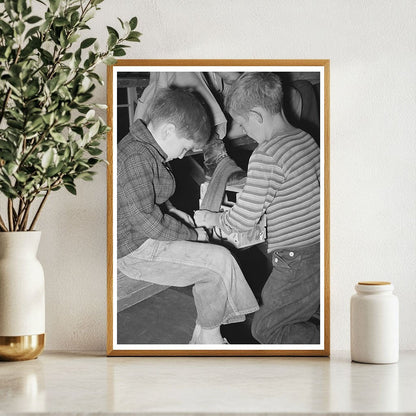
<point x="202" y="234"/>
<point x="205" y="218"/>
<point x="186" y="218"/>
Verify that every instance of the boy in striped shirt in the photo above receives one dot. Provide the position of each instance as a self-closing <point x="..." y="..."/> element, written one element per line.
<point x="283" y="183"/>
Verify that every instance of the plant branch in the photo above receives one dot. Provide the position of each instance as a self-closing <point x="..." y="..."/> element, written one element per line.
<point x="39" y="210"/>
<point x="2" y="225"/>
<point x="10" y="213"/>
<point x="19" y="215"/>
<point x="26" y="216"/>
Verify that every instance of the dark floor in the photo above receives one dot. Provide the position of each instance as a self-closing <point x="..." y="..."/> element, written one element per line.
<point x="166" y="318"/>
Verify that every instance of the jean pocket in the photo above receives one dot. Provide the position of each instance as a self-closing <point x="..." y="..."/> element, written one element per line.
<point x="287" y="262"/>
<point x="280" y="262"/>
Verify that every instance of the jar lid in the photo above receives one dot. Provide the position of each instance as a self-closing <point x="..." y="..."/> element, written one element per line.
<point x="373" y="287"/>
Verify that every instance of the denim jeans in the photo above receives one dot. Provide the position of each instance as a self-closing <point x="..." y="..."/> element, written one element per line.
<point x="221" y="293"/>
<point x="290" y="297"/>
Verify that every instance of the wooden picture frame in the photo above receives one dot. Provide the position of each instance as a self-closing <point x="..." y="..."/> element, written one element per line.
<point x="133" y="311"/>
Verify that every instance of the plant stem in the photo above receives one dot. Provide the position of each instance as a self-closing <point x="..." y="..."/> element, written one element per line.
<point x="2" y="225"/>
<point x="26" y="216"/>
<point x="17" y="217"/>
<point x="20" y="214"/>
<point x="39" y="209"/>
<point x="10" y="213"/>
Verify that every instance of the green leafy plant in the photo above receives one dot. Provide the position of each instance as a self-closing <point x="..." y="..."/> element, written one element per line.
<point x="50" y="134"/>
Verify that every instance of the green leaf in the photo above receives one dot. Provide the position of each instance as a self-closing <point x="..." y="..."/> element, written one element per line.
<point x="53" y="84"/>
<point x="78" y="154"/>
<point x="82" y="98"/>
<point x="47" y="158"/>
<point x="34" y="125"/>
<point x="133" y="23"/>
<point x="67" y="56"/>
<point x="88" y="16"/>
<point x="70" y="188"/>
<point x="86" y="176"/>
<point x="6" y="29"/>
<point x="21" y="177"/>
<point x="32" y="31"/>
<point x="52" y="171"/>
<point x="58" y="137"/>
<point x="119" y="52"/>
<point x="20" y="28"/>
<point x="94" y="151"/>
<point x="63" y="41"/>
<point x="8" y="191"/>
<point x="11" y="168"/>
<point x="112" y="31"/>
<point x="21" y="6"/>
<point x="31" y="90"/>
<point x="33" y="19"/>
<point x="112" y="41"/>
<point x="54" y="4"/>
<point x="48" y="118"/>
<point x="92" y="161"/>
<point x="110" y="60"/>
<point x="87" y="42"/>
<point x="67" y="153"/>
<point x="10" y="7"/>
<point x="4" y="145"/>
<point x="74" y="18"/>
<point x="73" y="38"/>
<point x="61" y="21"/>
<point x="94" y="129"/>
<point x="134" y="37"/>
<point x="123" y="25"/>
<point x="90" y="115"/>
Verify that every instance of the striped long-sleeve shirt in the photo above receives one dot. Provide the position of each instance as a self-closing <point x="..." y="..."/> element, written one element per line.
<point x="283" y="182"/>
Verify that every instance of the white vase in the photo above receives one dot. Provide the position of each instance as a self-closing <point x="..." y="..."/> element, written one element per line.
<point x="22" y="296"/>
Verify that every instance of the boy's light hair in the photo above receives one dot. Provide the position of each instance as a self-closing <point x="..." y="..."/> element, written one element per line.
<point x="185" y="111"/>
<point x="255" y="89"/>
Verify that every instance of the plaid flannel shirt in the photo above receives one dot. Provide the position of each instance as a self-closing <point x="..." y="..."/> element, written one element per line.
<point x="144" y="186"/>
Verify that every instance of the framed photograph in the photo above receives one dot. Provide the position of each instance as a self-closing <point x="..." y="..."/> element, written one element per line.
<point x="218" y="208"/>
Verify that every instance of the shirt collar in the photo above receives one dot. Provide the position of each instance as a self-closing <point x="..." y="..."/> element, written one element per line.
<point x="139" y="130"/>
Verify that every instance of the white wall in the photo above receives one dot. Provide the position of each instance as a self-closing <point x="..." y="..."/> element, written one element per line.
<point x="371" y="45"/>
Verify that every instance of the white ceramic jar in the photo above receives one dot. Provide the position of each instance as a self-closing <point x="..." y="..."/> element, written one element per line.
<point x="374" y="323"/>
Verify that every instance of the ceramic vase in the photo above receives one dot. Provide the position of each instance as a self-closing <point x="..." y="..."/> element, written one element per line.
<point x="22" y="296"/>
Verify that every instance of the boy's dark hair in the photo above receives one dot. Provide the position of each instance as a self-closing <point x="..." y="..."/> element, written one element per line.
<point x="185" y="111"/>
<point x="255" y="89"/>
